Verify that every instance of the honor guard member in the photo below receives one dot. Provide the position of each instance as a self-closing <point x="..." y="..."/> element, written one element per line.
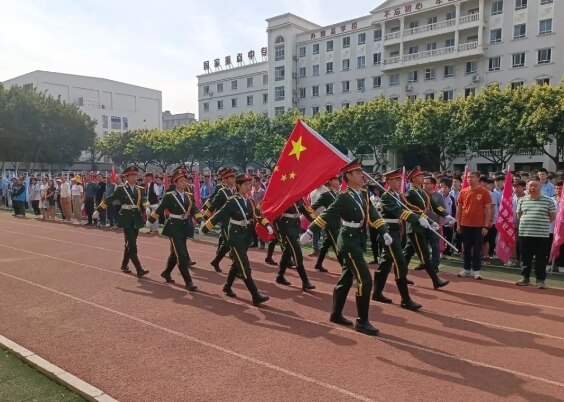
<point x="219" y="200"/>
<point x="353" y="206"/>
<point x="218" y="187"/>
<point x="394" y="213"/>
<point x="419" y="201"/>
<point x="181" y="207"/>
<point x="152" y="198"/>
<point x="183" y="167"/>
<point x="332" y="228"/>
<point x="288" y="228"/>
<point x="130" y="219"/>
<point x="238" y="211"/>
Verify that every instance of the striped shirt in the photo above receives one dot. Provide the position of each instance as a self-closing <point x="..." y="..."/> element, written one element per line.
<point x="535" y="216"/>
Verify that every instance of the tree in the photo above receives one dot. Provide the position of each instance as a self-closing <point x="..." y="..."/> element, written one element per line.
<point x="272" y="137"/>
<point x="113" y="146"/>
<point x="214" y="139"/>
<point x="243" y="132"/>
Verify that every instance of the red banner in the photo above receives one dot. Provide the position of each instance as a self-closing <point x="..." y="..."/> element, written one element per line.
<point x="558" y="231"/>
<point x="505" y="222"/>
<point x="197" y="195"/>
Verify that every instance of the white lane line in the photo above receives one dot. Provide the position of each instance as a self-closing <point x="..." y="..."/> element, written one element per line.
<point x="198" y="341"/>
<point x="281" y="369"/>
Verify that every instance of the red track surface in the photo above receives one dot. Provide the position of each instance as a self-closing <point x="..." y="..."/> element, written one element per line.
<point x="63" y="297"/>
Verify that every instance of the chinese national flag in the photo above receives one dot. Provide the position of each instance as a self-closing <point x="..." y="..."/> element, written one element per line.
<point x="465" y="177"/>
<point x="114" y="176"/>
<point x="306" y="162"/>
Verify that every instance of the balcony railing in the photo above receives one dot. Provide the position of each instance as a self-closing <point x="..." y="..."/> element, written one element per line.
<point x="432" y="53"/>
<point x="469" y="18"/>
<point x="430" y="27"/>
<point x="393" y="35"/>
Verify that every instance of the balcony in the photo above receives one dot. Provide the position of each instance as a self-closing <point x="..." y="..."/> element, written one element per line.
<point x="437" y="28"/>
<point x="430" y="27"/>
<point x="431" y="56"/>
<point x="392" y="35"/>
<point x="469" y="18"/>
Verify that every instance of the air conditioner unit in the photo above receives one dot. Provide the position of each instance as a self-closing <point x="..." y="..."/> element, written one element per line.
<point x="294" y="75"/>
<point x="476" y="78"/>
<point x="408" y="88"/>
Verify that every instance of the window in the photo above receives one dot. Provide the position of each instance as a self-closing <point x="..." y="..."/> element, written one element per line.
<point x="471" y="67"/>
<point x="412" y="76"/>
<point x="430" y="96"/>
<point x="495" y="35"/>
<point x="449" y="70"/>
<point x="206" y="89"/>
<point x="125" y="123"/>
<point x="519" y="31"/>
<point x="543" y="81"/>
<point x="449" y="42"/>
<point x="545" y="1"/>
<point x="412" y="98"/>
<point x="234" y="84"/>
<point x="264" y="98"/>
<point x="329" y="67"/>
<point x="233" y="102"/>
<point x="220" y="105"/>
<point x="206" y="107"/>
<point x="545" y="56"/>
<point x="361" y="62"/>
<point x="518" y="60"/>
<point x="431" y="46"/>
<point x="220" y="87"/>
<point x="448" y="95"/>
<point x="329" y="46"/>
<point x="394" y="79"/>
<point x="314" y="110"/>
<point x="302" y="92"/>
<point x="494" y="63"/>
<point x="497" y="7"/>
<point x="278" y="110"/>
<point x="361" y="39"/>
<point x="329" y="89"/>
<point x="450" y="15"/>
<point x="377" y="35"/>
<point x="469" y="92"/>
<point x="302" y="51"/>
<point x="360" y="84"/>
<point x="377" y="81"/>
<point x="395" y="53"/>
<point x="105" y="121"/>
<point x="250" y="100"/>
<point x="346" y="42"/>
<point x="429" y="74"/>
<point x="377" y="58"/>
<point x="516" y="85"/>
<point x="413" y="24"/>
<point x="520" y="4"/>
<point x="265" y="79"/>
<point x="116" y="123"/>
<point x="413" y="49"/>
<point x="315" y="90"/>
<point x="432" y="20"/>
<point x="346" y="64"/>
<point x="329" y="108"/>
<point x="250" y="82"/>
<point x="279" y="93"/>
<point x="345" y="105"/>
<point x="302" y="111"/>
<point x="345" y="86"/>
<point x="279" y="48"/>
<point x="279" y="73"/>
<point x="302" y="72"/>
<point x="316" y="48"/>
<point x="315" y="69"/>
<point x="360" y="103"/>
<point x="545" y="26"/>
<point x="394" y="99"/>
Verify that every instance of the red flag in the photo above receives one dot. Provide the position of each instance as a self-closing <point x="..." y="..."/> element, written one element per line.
<point x="166" y="181"/>
<point x="505" y="222"/>
<point x="465" y="177"/>
<point x="558" y="231"/>
<point x="114" y="176"/>
<point x="307" y="161"/>
<point x="343" y="186"/>
<point x="197" y="195"/>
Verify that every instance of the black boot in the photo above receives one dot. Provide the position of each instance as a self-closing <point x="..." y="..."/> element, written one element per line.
<point x="406" y="301"/>
<point x="437" y="282"/>
<point x="183" y="267"/>
<point x="230" y="279"/>
<point x="170" y="263"/>
<point x="339" y="299"/>
<point x="380" y="278"/>
<point x="281" y="271"/>
<point x="257" y="297"/>
<point x="320" y="258"/>
<point x="306" y="284"/>
<point x="167" y="277"/>
<point x="215" y="264"/>
<point x="362" y="324"/>
<point x="125" y="261"/>
<point x="140" y="271"/>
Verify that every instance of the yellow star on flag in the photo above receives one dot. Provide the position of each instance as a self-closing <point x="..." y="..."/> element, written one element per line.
<point x="292" y="175"/>
<point x="297" y="148"/>
<point x="283" y="178"/>
<point x="276" y="168"/>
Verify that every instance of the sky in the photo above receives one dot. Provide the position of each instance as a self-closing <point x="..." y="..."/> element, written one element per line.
<point x="155" y="44"/>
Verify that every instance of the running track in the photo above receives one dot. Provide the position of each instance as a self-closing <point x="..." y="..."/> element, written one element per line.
<point x="64" y="298"/>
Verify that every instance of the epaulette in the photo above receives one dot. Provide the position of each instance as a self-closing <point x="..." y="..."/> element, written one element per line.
<point x="170" y="192"/>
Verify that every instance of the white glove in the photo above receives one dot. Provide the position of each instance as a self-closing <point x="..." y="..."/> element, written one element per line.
<point x="202" y="224"/>
<point x="435" y="226"/>
<point x="270" y="230"/>
<point x="424" y="222"/>
<point x="148" y="211"/>
<point x="95" y="215"/>
<point x="450" y="220"/>
<point x="388" y="239"/>
<point x="148" y="224"/>
<point x="306" y="237"/>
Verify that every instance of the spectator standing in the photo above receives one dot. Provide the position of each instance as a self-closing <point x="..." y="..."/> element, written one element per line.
<point x="100" y="193"/>
<point x="558" y="263"/>
<point x="473" y="213"/>
<point x="66" y="199"/>
<point x="450" y="207"/>
<point x="489" y="240"/>
<point x="547" y="188"/>
<point x="110" y="212"/>
<point x="207" y="188"/>
<point x="50" y="192"/>
<point x="518" y="193"/>
<point x="77" y="193"/>
<point x="18" y="197"/>
<point x="42" y="197"/>
<point x="536" y="212"/>
<point x="35" y="195"/>
<point x="89" y="198"/>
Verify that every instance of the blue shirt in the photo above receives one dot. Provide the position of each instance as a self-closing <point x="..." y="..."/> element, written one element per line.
<point x="548" y="189"/>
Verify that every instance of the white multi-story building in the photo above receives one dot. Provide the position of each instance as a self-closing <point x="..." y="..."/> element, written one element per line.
<point x="403" y="50"/>
<point x="115" y="106"/>
<point x="180" y="119"/>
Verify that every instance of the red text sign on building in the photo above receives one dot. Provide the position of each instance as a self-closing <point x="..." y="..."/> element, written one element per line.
<point x="333" y="30"/>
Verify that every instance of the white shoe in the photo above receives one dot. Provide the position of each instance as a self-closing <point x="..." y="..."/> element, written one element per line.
<point x="478" y="275"/>
<point x="465" y="273"/>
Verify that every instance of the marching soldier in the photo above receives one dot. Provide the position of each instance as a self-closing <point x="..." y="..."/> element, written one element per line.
<point x="219" y="186"/>
<point x="357" y="212"/>
<point x="332" y="228"/>
<point x="132" y="200"/>
<point x="419" y="201"/>
<point x="223" y="194"/>
<point x="288" y="228"/>
<point x="394" y="213"/>
<point x="235" y="215"/>
<point x="181" y="207"/>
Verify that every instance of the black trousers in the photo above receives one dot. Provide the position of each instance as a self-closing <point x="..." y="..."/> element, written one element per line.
<point x="89" y="207"/>
<point x="393" y="256"/>
<point x="472" y="242"/>
<point x="130" y="249"/>
<point x="19" y="207"/>
<point x="35" y="206"/>
<point x="178" y="255"/>
<point x="534" y="247"/>
<point x="448" y="234"/>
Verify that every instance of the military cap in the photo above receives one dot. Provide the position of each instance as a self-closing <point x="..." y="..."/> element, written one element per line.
<point x="228" y="172"/>
<point x="179" y="174"/>
<point x="182" y="166"/>
<point x="242" y="178"/>
<point x="394" y="174"/>
<point x="352" y="166"/>
<point x="414" y="173"/>
<point x="130" y="170"/>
